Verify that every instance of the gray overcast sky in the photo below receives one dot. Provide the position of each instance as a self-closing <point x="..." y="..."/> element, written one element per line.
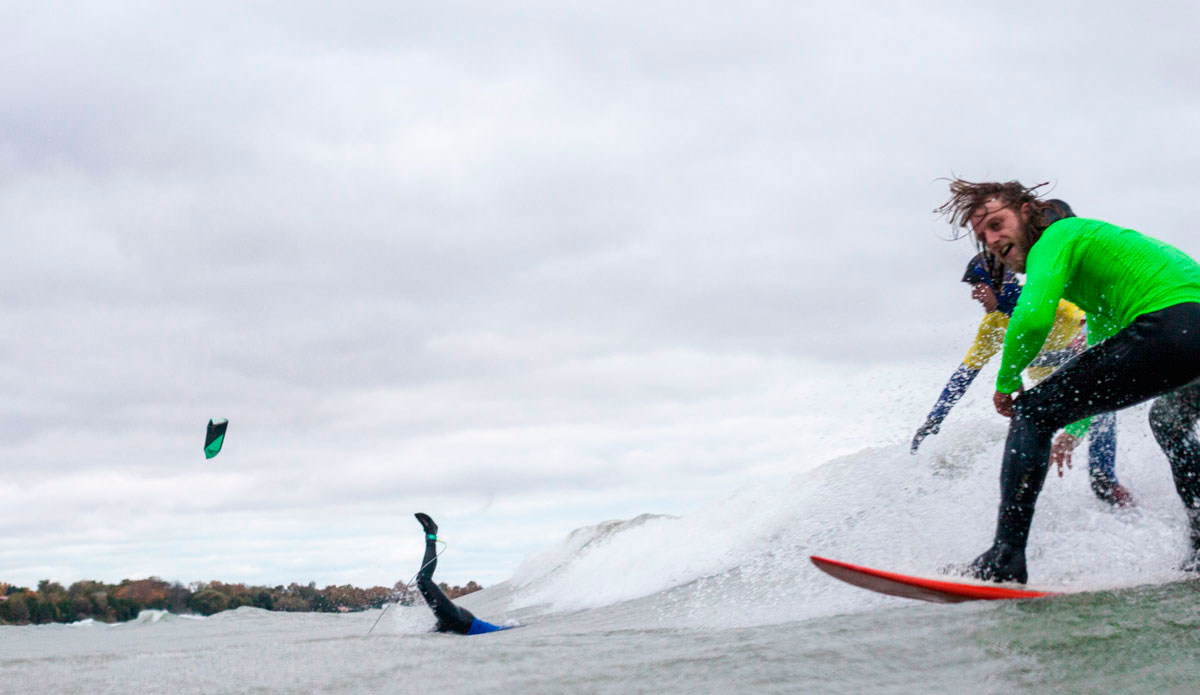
<point x="523" y="266"/>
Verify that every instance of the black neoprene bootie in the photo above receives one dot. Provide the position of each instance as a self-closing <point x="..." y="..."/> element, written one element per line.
<point x="1112" y="492"/>
<point x="1000" y="563"/>
<point x="1192" y="564"/>
<point x="427" y="524"/>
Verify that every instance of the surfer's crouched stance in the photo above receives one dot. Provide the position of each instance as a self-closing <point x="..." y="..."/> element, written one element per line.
<point x="1142" y="298"/>
<point x="450" y="618"/>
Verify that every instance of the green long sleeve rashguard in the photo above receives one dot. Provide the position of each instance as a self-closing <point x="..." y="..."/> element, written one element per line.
<point x="1113" y="274"/>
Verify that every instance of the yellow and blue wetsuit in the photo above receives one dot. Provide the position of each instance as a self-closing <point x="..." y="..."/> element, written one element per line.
<point x="989" y="340"/>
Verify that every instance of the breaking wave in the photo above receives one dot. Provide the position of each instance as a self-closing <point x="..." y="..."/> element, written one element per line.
<point x="744" y="561"/>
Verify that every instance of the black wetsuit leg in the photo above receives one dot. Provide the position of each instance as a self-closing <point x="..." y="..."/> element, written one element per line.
<point x="1157" y="354"/>
<point x="450" y="618"/>
<point x="1173" y="419"/>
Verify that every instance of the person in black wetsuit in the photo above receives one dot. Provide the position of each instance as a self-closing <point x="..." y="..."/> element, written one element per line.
<point x="1142" y="298"/>
<point x="450" y="618"/>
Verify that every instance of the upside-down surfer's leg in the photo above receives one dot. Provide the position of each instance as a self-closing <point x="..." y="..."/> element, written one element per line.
<point x="450" y="617"/>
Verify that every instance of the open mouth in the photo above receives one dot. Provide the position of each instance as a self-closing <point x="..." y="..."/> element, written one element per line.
<point x="1004" y="251"/>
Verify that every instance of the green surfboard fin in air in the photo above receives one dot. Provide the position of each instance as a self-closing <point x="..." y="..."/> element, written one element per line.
<point x="215" y="437"/>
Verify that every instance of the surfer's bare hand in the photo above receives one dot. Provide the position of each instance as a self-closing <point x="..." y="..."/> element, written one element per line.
<point x="1004" y="403"/>
<point x="1060" y="451"/>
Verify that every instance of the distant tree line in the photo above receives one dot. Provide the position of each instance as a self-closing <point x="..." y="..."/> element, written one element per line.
<point x="51" y="603"/>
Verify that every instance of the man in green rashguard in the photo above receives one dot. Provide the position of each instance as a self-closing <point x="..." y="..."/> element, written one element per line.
<point x="1142" y="299"/>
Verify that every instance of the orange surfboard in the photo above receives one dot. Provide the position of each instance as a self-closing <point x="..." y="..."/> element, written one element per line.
<point x="940" y="590"/>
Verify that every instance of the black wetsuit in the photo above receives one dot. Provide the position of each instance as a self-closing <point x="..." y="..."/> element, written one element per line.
<point x="450" y="618"/>
<point x="1156" y="355"/>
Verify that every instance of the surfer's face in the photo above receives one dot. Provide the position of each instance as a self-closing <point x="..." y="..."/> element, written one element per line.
<point x="985" y="296"/>
<point x="1001" y="230"/>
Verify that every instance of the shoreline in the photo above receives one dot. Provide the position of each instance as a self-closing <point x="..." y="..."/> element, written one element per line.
<point x="50" y="602"/>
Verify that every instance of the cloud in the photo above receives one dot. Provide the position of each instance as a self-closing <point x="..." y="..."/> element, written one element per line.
<point x="585" y="261"/>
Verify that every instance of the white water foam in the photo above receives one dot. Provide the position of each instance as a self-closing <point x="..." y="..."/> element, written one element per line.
<point x="744" y="561"/>
<point x="149" y="617"/>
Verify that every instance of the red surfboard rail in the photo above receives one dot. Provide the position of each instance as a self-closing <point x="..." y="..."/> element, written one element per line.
<point x="923" y="588"/>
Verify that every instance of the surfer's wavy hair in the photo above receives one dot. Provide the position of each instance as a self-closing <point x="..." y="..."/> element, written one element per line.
<point x="968" y="196"/>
